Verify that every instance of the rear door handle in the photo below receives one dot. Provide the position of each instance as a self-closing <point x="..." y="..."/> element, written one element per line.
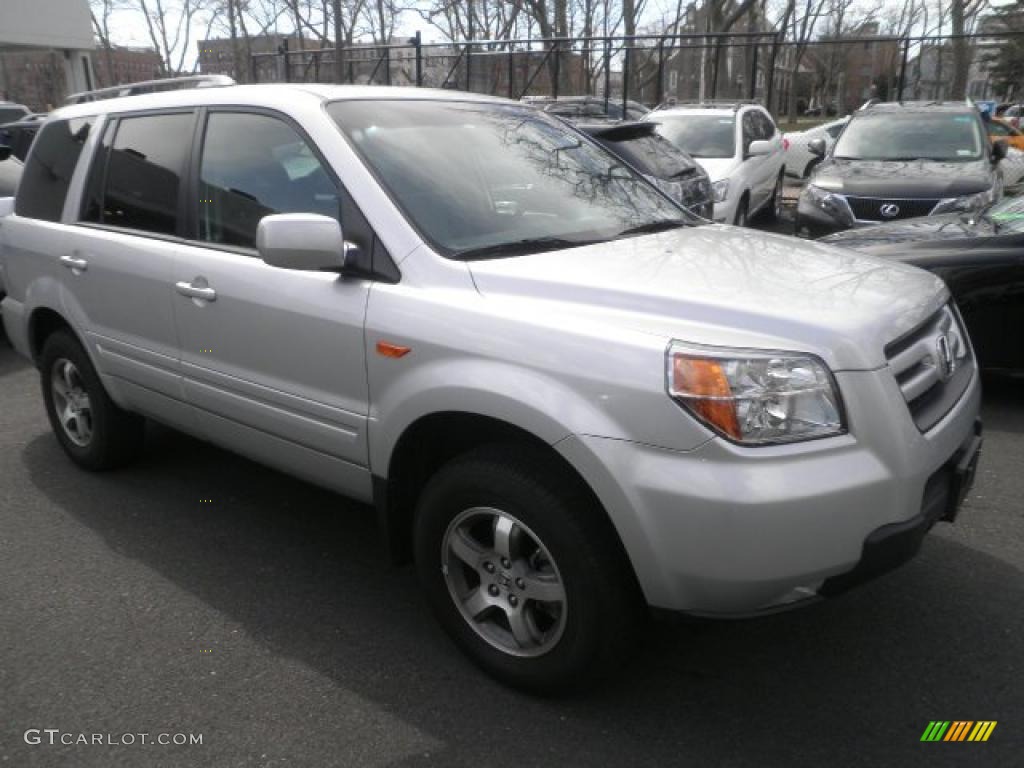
<point x="196" y="291"/>
<point x="72" y="262"/>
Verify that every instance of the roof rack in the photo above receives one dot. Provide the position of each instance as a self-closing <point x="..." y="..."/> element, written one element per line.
<point x="151" y="86"/>
<point x="734" y="104"/>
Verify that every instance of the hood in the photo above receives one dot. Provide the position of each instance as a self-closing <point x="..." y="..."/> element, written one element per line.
<point x="717" y="167"/>
<point x="950" y="226"/>
<point x="919" y="178"/>
<point x="725" y="286"/>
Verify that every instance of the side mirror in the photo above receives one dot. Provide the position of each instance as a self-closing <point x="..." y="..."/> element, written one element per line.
<point x="999" y="150"/>
<point x="303" y="241"/>
<point x="759" y="148"/>
<point x="816" y="147"/>
<point x="5" y="152"/>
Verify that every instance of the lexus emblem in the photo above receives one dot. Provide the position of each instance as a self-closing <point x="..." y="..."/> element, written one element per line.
<point x="947" y="362"/>
<point x="889" y="210"/>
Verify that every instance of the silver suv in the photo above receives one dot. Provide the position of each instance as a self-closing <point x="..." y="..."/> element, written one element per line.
<point x="568" y="399"/>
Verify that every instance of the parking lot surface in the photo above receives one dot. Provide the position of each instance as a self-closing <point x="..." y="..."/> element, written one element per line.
<point x="198" y="593"/>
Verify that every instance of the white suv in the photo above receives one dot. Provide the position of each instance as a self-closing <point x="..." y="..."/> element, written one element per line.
<point x="741" y="149"/>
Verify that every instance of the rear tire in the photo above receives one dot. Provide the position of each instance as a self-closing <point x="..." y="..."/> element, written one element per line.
<point x="522" y="572"/>
<point x="91" y="429"/>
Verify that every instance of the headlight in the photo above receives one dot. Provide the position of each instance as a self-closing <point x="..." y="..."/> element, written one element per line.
<point x="833" y="204"/>
<point x="756" y="397"/>
<point x="968" y="202"/>
<point x="720" y="190"/>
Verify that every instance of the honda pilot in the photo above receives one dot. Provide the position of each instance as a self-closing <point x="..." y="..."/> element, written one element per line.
<point x="570" y="401"/>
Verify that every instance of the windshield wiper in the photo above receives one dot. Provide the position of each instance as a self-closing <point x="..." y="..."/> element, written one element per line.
<point x="520" y="247"/>
<point x="652" y="226"/>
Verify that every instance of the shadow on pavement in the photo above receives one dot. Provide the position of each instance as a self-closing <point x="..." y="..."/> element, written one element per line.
<point x="852" y="681"/>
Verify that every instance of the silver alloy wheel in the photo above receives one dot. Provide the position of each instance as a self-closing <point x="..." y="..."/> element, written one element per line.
<point x="71" y="402"/>
<point x="504" y="581"/>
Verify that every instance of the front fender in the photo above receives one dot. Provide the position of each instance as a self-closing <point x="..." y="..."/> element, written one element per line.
<point x="528" y="399"/>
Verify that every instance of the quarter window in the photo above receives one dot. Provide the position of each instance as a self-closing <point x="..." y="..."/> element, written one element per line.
<point x="253" y="166"/>
<point x="142" y="177"/>
<point x="51" y="163"/>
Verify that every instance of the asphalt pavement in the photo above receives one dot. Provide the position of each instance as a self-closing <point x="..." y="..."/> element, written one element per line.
<point x="197" y="593"/>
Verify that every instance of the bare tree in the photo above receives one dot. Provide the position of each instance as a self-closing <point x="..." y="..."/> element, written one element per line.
<point x="170" y="27"/>
<point x="100" y="11"/>
<point x="962" y="16"/>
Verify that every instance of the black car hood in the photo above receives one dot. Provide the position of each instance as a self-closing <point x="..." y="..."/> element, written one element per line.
<point x="950" y="226"/>
<point x="903" y="179"/>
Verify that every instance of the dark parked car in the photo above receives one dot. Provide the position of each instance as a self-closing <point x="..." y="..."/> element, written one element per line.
<point x="670" y="169"/>
<point x="19" y="135"/>
<point x="9" y="111"/>
<point x="981" y="258"/>
<point x="898" y="161"/>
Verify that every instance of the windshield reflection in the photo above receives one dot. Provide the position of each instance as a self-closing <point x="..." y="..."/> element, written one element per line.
<point x="475" y="178"/>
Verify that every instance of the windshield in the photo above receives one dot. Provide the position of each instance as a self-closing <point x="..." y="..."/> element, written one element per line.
<point x="912" y="136"/>
<point x="486" y="180"/>
<point x="1008" y="215"/>
<point x="700" y="135"/>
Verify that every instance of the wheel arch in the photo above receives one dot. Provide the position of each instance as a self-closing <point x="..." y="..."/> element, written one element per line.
<point x="434" y="439"/>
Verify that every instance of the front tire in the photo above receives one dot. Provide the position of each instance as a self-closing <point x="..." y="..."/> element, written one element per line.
<point x="773" y="211"/>
<point x="91" y="429"/>
<point x="742" y="215"/>
<point x="522" y="572"/>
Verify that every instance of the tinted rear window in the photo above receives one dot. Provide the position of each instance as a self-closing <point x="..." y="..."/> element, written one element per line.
<point x="47" y="175"/>
<point x="652" y="155"/>
<point x="143" y="174"/>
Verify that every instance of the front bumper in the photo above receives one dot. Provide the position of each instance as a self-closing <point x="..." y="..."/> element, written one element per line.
<point x="726" y="530"/>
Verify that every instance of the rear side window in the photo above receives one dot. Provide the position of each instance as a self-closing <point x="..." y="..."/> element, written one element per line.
<point x="47" y="174"/>
<point x="252" y="166"/>
<point x="135" y="181"/>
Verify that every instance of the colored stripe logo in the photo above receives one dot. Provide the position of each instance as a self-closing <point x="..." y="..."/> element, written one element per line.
<point x="958" y="730"/>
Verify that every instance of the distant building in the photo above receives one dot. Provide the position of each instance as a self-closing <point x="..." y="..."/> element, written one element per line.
<point x="217" y="55"/>
<point x="44" y="51"/>
<point x="859" y="70"/>
<point x="118" y="65"/>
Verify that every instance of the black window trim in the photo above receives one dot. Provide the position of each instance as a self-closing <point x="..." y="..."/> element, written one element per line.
<point x="387" y="272"/>
<point x="114" y="119"/>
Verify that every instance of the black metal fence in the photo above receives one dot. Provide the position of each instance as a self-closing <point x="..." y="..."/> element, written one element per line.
<point x="824" y="75"/>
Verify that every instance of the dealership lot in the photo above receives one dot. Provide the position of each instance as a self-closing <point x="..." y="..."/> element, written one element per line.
<point x="198" y="593"/>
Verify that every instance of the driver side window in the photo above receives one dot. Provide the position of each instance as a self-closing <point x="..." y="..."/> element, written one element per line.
<point x="254" y="165"/>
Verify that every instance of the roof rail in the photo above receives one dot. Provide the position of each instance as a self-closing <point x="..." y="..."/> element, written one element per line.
<point x="735" y="104"/>
<point x="150" y="86"/>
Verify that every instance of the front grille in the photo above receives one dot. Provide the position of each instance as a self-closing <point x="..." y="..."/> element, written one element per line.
<point x="870" y="208"/>
<point x="933" y="366"/>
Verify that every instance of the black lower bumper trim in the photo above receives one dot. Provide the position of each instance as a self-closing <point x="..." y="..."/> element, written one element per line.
<point x="890" y="546"/>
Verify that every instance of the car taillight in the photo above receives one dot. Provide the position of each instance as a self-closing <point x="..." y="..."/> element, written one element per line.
<point x="785" y="143"/>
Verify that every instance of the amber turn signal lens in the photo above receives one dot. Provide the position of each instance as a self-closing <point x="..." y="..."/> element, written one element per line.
<point x="387" y="349"/>
<point x="704" y="386"/>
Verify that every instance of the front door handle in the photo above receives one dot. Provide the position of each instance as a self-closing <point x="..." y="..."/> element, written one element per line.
<point x="196" y="291"/>
<point x="74" y="263"/>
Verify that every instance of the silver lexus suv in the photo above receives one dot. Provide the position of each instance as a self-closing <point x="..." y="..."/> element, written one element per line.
<point x="571" y="403"/>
